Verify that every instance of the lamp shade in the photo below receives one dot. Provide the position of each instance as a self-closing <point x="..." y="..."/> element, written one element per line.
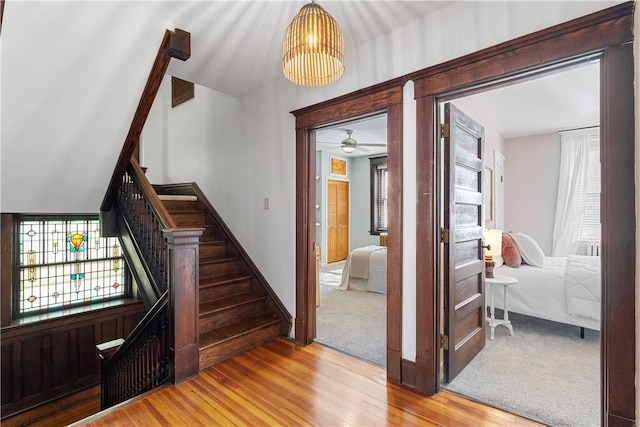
<point x="493" y="239"/>
<point x="313" y="47"/>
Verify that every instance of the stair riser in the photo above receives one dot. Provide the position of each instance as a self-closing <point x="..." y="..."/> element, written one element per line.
<point x="191" y="219"/>
<point x="231" y="315"/>
<point x="217" y="353"/>
<point x="180" y="205"/>
<point x="218" y="268"/>
<point x="224" y="290"/>
<point x="212" y="251"/>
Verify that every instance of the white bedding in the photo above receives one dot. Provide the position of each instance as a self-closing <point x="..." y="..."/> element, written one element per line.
<point x="366" y="270"/>
<point x="582" y="286"/>
<point x="541" y="292"/>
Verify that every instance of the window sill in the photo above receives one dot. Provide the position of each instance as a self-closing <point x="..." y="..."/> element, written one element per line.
<point x="72" y="311"/>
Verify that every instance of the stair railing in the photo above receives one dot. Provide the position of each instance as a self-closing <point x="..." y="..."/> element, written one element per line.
<point x="164" y="346"/>
<point x="143" y="361"/>
<point x="146" y="217"/>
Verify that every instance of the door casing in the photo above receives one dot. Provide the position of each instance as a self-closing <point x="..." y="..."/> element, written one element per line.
<point x="606" y="34"/>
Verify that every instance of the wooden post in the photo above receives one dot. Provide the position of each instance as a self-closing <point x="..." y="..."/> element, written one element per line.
<point x="183" y="265"/>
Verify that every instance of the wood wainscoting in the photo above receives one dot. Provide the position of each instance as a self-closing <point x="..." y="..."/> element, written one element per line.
<point x="51" y="359"/>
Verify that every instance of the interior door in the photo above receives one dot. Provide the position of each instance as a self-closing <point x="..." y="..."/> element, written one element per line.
<point x="464" y="318"/>
<point x="337" y="220"/>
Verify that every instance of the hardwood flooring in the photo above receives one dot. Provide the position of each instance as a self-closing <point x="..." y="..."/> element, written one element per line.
<point x="282" y="384"/>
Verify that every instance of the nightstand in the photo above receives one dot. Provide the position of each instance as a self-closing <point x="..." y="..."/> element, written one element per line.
<point x="504" y="281"/>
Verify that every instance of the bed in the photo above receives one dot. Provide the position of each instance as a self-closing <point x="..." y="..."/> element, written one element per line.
<point x="563" y="289"/>
<point x="366" y="270"/>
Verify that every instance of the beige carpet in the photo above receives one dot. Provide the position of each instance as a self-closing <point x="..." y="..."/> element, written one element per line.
<point x="353" y="322"/>
<point x="544" y="372"/>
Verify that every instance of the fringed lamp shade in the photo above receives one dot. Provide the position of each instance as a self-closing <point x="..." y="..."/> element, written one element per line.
<point x="313" y="48"/>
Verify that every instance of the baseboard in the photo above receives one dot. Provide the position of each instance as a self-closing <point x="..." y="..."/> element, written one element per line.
<point x="409" y="374"/>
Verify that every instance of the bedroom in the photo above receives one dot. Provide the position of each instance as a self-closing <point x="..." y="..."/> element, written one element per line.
<point x="533" y="155"/>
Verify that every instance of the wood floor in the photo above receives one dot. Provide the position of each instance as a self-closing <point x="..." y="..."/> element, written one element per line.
<point x="282" y="384"/>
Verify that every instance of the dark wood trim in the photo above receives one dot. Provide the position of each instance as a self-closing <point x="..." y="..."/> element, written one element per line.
<point x="6" y="279"/>
<point x="427" y="277"/>
<point x="184" y="266"/>
<point x="181" y="91"/>
<point x="385" y="98"/>
<point x="394" y="240"/>
<point x="580" y="36"/>
<point x="409" y="374"/>
<point x="1" y="14"/>
<point x="175" y="44"/>
<point x="618" y="243"/>
<point x="604" y="33"/>
<point x="46" y="360"/>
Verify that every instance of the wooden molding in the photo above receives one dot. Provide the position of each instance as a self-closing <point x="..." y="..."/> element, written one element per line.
<point x="181" y="91"/>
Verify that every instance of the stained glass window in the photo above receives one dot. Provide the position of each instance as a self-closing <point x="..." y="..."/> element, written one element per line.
<point x="64" y="263"/>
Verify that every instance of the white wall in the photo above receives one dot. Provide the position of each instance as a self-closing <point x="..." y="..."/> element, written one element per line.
<point x="531" y="186"/>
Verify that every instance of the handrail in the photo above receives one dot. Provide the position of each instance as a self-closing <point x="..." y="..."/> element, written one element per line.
<point x="149" y="194"/>
<point x="175" y="44"/>
<point x="143" y="361"/>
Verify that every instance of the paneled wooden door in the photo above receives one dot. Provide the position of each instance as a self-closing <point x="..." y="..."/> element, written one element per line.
<point x="464" y="319"/>
<point x="337" y="220"/>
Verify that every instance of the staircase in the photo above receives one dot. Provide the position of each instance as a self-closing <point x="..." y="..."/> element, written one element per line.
<point x="236" y="313"/>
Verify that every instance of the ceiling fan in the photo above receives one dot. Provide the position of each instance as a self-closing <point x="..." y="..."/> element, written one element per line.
<point x="349" y="145"/>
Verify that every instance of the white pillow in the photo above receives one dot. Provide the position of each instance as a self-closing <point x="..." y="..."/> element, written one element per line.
<point x="529" y="249"/>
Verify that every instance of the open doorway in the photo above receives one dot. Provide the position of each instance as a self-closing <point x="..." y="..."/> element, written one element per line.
<point x="351" y="227"/>
<point x="541" y="152"/>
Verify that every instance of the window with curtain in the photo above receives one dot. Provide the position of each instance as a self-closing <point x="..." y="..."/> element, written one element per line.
<point x="577" y="221"/>
<point x="379" y="195"/>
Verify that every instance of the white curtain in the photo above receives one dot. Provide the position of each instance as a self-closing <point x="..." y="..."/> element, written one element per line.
<point x="574" y="160"/>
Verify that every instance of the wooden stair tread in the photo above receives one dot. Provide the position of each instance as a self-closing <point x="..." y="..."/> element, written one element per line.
<point x="225" y="303"/>
<point x="219" y="259"/>
<point x="181" y="197"/>
<point x="234" y="330"/>
<point x="225" y="279"/>
<point x="216" y="242"/>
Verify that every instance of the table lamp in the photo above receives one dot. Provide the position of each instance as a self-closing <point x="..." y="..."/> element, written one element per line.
<point x="493" y="240"/>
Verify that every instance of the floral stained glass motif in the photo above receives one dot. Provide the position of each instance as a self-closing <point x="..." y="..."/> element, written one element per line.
<point x="52" y="278"/>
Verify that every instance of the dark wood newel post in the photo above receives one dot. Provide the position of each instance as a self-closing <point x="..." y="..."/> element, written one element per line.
<point x="183" y="252"/>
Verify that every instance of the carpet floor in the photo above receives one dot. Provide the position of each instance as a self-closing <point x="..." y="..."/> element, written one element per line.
<point x="545" y="372"/>
<point x="353" y="322"/>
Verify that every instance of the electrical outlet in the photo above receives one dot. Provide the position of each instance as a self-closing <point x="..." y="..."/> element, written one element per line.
<point x="266" y="203"/>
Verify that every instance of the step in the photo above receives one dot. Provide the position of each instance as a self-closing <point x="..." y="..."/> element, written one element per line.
<point x="177" y="197"/>
<point x="222" y="343"/>
<point x="224" y="311"/>
<point x="181" y="205"/>
<point x="223" y="286"/>
<point x="214" y="267"/>
<point x="212" y="249"/>
<point x="194" y="218"/>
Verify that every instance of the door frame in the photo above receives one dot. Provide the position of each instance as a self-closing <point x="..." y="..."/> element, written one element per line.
<point x="379" y="99"/>
<point x="608" y="34"/>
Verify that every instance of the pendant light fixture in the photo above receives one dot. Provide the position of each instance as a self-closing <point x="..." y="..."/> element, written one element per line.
<point x="313" y="47"/>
